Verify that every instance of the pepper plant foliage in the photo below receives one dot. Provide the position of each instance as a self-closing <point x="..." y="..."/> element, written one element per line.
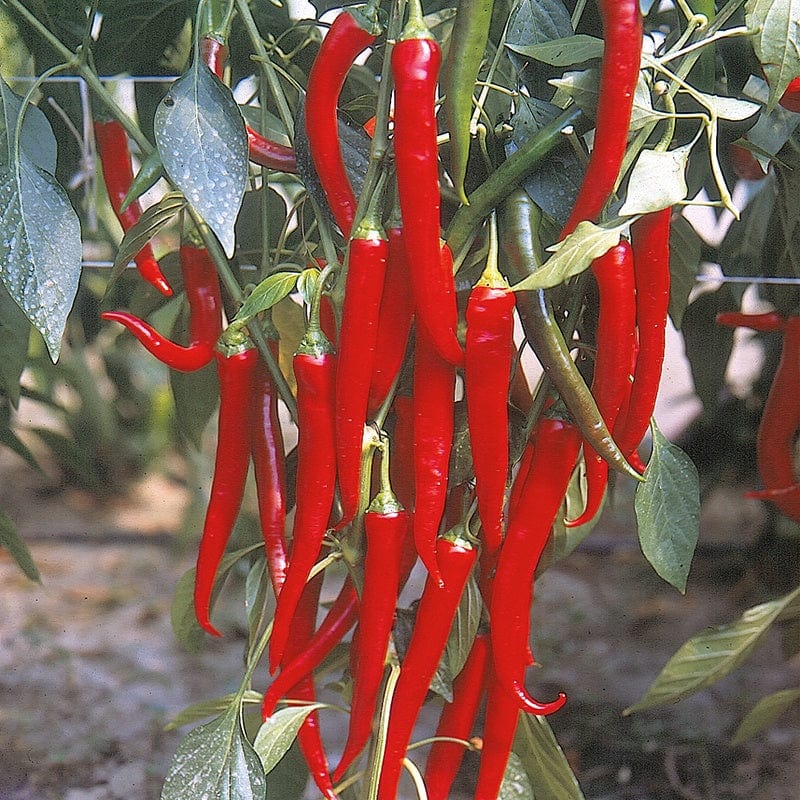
<point x="523" y="82"/>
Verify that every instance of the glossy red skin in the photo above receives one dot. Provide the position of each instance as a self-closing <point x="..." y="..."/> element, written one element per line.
<point x="456" y="721"/>
<point x="385" y="538"/>
<point x="435" y="615"/>
<point x="112" y="148"/>
<point x="434" y="388"/>
<point x="343" y="42"/>
<point x="489" y="353"/>
<point x="358" y="336"/>
<point x="768" y="321"/>
<point x="650" y="240"/>
<point x="790" y="99"/>
<point x="415" y="67"/>
<point x="622" y="33"/>
<point x="205" y="317"/>
<point x="236" y="384"/>
<point x="269" y="466"/>
<point x="316" y="478"/>
<point x="394" y="323"/>
<point x="616" y="345"/>
<point x="555" y="453"/>
<point x="499" y="727"/>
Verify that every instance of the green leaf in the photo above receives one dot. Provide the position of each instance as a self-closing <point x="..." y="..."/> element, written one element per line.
<point x="276" y="735"/>
<point x="215" y="761"/>
<point x="658" y="180"/>
<point x="40" y="235"/>
<point x="37" y="139"/>
<point x="14" y="335"/>
<point x="516" y="784"/>
<point x="668" y="511"/>
<point x="200" y="134"/>
<point x="267" y="294"/>
<point x="209" y="708"/>
<point x="729" y="107"/>
<point x="573" y="255"/>
<point x="563" y="52"/>
<point x="307" y="284"/>
<point x="548" y="769"/>
<point x="764" y="713"/>
<point x="72" y="457"/>
<point x="711" y="655"/>
<point x="196" y="396"/>
<point x="685" y="249"/>
<point x="10" y="440"/>
<point x="17" y="549"/>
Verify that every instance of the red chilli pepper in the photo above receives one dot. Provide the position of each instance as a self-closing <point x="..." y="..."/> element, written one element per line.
<point x="112" y="147"/>
<point x="350" y="34"/>
<point x="434" y="388"/>
<point x="616" y="344"/>
<point x="366" y="270"/>
<point x="205" y="320"/>
<point x="555" y="452"/>
<point x="768" y="321"/>
<point x="457" y="719"/>
<point x="236" y="380"/>
<point x="415" y="67"/>
<point x="386" y="525"/>
<point x="402" y="465"/>
<point x="489" y="353"/>
<point x="622" y="32"/>
<point x="315" y="371"/>
<point x="435" y="615"/>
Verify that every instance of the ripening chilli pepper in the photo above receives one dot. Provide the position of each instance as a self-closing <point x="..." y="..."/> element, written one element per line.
<point x="415" y="68"/>
<point x="386" y="526"/>
<point x="616" y="345"/>
<point x="457" y="719"/>
<point x="236" y="368"/>
<point x="351" y="33"/>
<point x="435" y="615"/>
<point x="315" y="372"/>
<point x="366" y="270"/>
<point x="205" y="316"/>
<point x="622" y="52"/>
<point x="112" y="147"/>
<point x="555" y="453"/>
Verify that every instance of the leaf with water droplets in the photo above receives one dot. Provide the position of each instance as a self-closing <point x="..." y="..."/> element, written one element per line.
<point x="216" y="762"/>
<point x="40" y="235"/>
<point x="201" y="137"/>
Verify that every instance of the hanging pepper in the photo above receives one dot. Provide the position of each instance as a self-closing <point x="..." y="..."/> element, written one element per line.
<point x="205" y="320"/>
<point x="236" y="367"/>
<point x="350" y="34"/>
<point x="415" y="68"/>
<point x="555" y="452"/>
<point x="435" y="615"/>
<point x="315" y="371"/>
<point x="434" y="387"/>
<point x="112" y="147"/>
<point x="366" y="270"/>
<point x="622" y="52"/>
<point x="616" y="345"/>
<point x="456" y="720"/>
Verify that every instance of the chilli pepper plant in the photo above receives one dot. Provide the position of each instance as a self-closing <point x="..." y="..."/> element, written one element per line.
<point x="473" y="216"/>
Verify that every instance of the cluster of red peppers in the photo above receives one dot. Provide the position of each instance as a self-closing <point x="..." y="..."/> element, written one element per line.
<point x="354" y="402"/>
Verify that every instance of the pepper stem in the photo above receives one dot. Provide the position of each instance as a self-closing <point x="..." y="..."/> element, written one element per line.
<point x="314" y="341"/>
<point x="385" y="502"/>
<point x="415" y="27"/>
<point x="492" y="277"/>
<point x="370" y="227"/>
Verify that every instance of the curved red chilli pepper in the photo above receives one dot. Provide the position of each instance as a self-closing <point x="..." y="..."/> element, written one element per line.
<point x="350" y="34"/>
<point x="112" y="147"/>
<point x="622" y="33"/>
<point x="489" y="352"/>
<point x="269" y="466"/>
<point x="768" y="321"/>
<point x="616" y="344"/>
<point x="394" y="320"/>
<point x="415" y="67"/>
<point x="434" y="388"/>
<point x="342" y="615"/>
<point x="435" y="615"/>
<point x="555" y="452"/>
<point x="315" y="371"/>
<point x="499" y="727"/>
<point x="205" y="316"/>
<point x="236" y="379"/>
<point x="366" y="270"/>
<point x="386" y="526"/>
<point x="650" y="240"/>
<point x="456" y="721"/>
